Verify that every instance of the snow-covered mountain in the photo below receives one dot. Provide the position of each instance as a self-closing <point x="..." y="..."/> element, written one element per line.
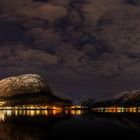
<point x="28" y="89"/>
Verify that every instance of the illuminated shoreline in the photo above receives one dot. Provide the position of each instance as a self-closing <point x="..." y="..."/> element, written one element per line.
<point x="6" y="112"/>
<point x="41" y="107"/>
<point x="73" y="107"/>
<point x="99" y="109"/>
<point x="117" y="109"/>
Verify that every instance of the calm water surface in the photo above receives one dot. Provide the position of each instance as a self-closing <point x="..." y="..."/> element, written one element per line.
<point x="74" y="124"/>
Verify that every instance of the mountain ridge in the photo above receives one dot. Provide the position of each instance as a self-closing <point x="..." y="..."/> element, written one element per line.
<point x="28" y="89"/>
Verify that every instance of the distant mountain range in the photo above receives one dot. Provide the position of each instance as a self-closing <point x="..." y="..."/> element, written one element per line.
<point x="34" y="89"/>
<point x="124" y="99"/>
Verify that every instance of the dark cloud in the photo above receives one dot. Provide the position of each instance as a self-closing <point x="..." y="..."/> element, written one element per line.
<point x="41" y="0"/>
<point x="133" y="2"/>
<point x="84" y="43"/>
<point x="11" y="32"/>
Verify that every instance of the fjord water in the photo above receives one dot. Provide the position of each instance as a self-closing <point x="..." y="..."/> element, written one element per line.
<point x="68" y="124"/>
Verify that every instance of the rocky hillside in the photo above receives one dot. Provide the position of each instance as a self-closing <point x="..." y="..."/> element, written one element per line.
<point x="28" y="89"/>
<point x="128" y="98"/>
<point x="125" y="99"/>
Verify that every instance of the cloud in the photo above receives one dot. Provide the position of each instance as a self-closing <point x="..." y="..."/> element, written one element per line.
<point x="44" y="12"/>
<point x="77" y="39"/>
<point x="133" y="2"/>
<point x="20" y="56"/>
<point x="11" y="32"/>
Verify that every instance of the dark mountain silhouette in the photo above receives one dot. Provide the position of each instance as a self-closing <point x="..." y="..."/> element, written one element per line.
<point x="128" y="98"/>
<point x="124" y="99"/>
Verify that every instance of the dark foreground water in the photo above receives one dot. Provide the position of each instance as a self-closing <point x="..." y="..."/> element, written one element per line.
<point x="56" y="124"/>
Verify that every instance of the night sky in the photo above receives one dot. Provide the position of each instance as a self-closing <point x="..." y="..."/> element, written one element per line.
<point x="89" y="47"/>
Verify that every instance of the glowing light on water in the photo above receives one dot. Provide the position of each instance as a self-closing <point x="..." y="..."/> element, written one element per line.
<point x="32" y="113"/>
<point x="118" y="110"/>
<point x="76" y="112"/>
<point x="54" y="112"/>
<point x="16" y="112"/>
<point x="9" y="113"/>
<point x="2" y="116"/>
<point x="45" y="112"/>
<point x="66" y="112"/>
<point x="37" y="112"/>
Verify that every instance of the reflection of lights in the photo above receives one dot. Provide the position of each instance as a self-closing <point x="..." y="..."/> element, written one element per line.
<point x="54" y="112"/>
<point x="9" y="113"/>
<point x="76" y="112"/>
<point x="45" y="112"/>
<point x="28" y="113"/>
<point x="73" y="112"/>
<point x="118" y="110"/>
<point x="35" y="110"/>
<point x="57" y="111"/>
<point x="38" y="112"/>
<point x="32" y="113"/>
<point x="20" y="112"/>
<point x="16" y="112"/>
<point x="66" y="112"/>
<point x="24" y="112"/>
<point x="2" y="116"/>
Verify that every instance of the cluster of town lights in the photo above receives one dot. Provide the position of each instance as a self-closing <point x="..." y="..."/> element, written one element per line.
<point x="73" y="108"/>
<point x="36" y="107"/>
<point x="118" y="109"/>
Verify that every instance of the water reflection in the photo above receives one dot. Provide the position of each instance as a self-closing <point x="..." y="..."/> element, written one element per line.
<point x="46" y="124"/>
<point x="29" y="113"/>
<point x="118" y="110"/>
<point x="4" y="114"/>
